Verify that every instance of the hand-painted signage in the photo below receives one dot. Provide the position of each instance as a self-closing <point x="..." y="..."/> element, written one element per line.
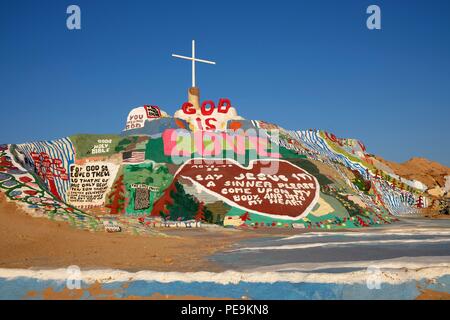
<point x="289" y="194"/>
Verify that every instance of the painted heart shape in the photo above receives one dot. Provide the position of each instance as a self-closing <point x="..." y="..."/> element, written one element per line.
<point x="271" y="187"/>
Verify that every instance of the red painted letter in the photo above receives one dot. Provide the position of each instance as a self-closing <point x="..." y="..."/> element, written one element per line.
<point x="224" y="105"/>
<point x="208" y="112"/>
<point x="188" y="108"/>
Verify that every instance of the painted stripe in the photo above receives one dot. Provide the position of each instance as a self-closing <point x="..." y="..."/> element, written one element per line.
<point x="57" y="149"/>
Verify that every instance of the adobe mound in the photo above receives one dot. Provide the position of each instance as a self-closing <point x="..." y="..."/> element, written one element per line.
<point x="268" y="177"/>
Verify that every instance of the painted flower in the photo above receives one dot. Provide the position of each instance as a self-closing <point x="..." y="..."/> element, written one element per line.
<point x="25" y="179"/>
<point x="34" y="200"/>
<point x="30" y="192"/>
<point x="15" y="193"/>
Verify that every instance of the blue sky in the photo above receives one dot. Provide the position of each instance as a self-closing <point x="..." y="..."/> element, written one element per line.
<point x="299" y="64"/>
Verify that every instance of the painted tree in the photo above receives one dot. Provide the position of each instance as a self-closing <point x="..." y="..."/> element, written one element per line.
<point x="367" y="174"/>
<point x="377" y="174"/>
<point x="200" y="215"/>
<point x="176" y="204"/>
<point x="361" y="183"/>
<point x="124" y="143"/>
<point x="361" y="222"/>
<point x="394" y="184"/>
<point x="117" y="197"/>
<point x="184" y="205"/>
<point x="419" y="202"/>
<point x="245" y="217"/>
<point x="159" y="206"/>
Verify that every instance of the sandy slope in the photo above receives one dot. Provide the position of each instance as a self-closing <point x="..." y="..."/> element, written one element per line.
<point x="424" y="170"/>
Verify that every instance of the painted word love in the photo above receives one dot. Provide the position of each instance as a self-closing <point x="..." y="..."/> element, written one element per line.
<point x="289" y="194"/>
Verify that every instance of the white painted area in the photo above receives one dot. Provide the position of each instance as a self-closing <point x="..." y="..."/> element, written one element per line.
<point x="111" y="226"/>
<point x="112" y="169"/>
<point x="447" y="184"/>
<point x="396" y="276"/>
<point x="342" y="244"/>
<point x="232" y="221"/>
<point x="415" y="184"/>
<point x="384" y="264"/>
<point x="358" y="234"/>
<point x="138" y="116"/>
<point x="412" y="183"/>
<point x="220" y="119"/>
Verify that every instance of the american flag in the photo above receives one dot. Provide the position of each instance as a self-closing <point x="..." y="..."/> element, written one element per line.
<point x="133" y="156"/>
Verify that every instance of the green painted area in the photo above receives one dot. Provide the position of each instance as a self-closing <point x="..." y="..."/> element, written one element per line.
<point x="289" y="154"/>
<point x="133" y="144"/>
<point x="312" y="169"/>
<point x="184" y="206"/>
<point x="95" y="145"/>
<point x="339" y="218"/>
<point x="154" y="176"/>
<point x="338" y="215"/>
<point x="154" y="150"/>
<point x="257" y="218"/>
<point x="325" y="222"/>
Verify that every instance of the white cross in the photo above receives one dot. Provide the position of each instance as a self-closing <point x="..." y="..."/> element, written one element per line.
<point x="193" y="59"/>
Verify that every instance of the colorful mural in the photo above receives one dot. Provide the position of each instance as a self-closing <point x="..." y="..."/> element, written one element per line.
<point x="50" y="161"/>
<point x="32" y="194"/>
<point x="144" y="184"/>
<point x="225" y="170"/>
<point x="274" y="188"/>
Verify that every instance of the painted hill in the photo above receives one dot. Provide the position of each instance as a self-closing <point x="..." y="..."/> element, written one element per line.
<point x="211" y="169"/>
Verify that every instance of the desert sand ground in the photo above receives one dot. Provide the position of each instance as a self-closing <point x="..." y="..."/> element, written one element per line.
<point x="39" y="243"/>
<point x="27" y="242"/>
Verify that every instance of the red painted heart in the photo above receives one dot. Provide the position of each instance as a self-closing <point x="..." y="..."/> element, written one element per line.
<point x="274" y="187"/>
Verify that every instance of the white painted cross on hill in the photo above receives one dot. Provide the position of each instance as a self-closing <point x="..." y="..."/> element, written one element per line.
<point x="193" y="59"/>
